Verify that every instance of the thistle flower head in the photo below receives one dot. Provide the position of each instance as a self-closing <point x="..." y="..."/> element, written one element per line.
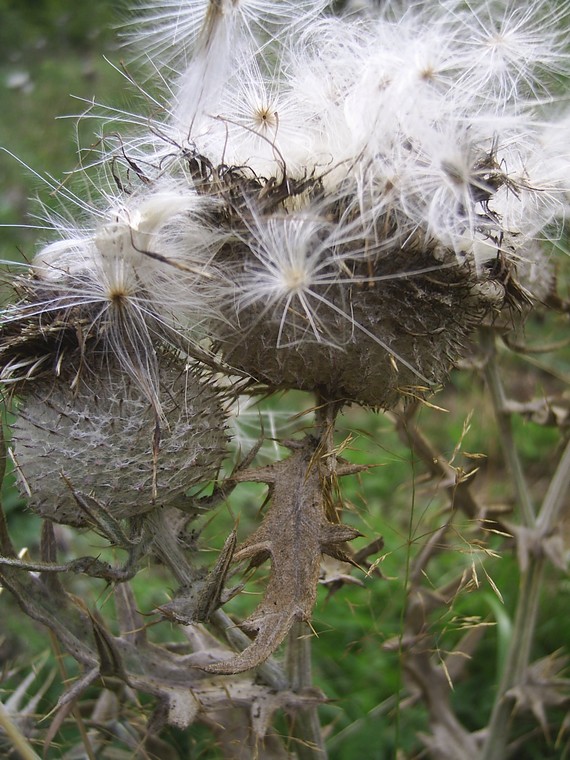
<point x="320" y="304"/>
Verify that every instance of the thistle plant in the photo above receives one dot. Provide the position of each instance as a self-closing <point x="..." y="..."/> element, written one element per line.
<point x="336" y="203"/>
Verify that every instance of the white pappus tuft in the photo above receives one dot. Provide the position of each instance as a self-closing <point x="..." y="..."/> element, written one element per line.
<point x="128" y="283"/>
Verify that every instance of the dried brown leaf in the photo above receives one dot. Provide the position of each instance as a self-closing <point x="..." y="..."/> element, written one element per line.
<point x="295" y="532"/>
<point x="335" y="573"/>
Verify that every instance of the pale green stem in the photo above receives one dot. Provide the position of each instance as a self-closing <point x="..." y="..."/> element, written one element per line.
<point x="305" y="723"/>
<point x="518" y="655"/>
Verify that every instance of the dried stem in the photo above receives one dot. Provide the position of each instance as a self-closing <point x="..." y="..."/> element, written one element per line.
<point x="439" y="468"/>
<point x="508" y="446"/>
<point x="18" y="740"/>
<point x="270" y="671"/>
<point x="326" y="412"/>
<point x="76" y="712"/>
<point x="517" y="661"/>
<point x="304" y="723"/>
<point x="531" y="580"/>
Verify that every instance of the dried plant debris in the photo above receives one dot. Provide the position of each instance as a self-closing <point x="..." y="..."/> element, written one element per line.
<point x="197" y="602"/>
<point x="545" y="686"/>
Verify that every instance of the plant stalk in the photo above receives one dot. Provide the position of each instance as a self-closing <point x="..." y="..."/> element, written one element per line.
<point x="17" y="739"/>
<point x="305" y="724"/>
<point x="516" y="665"/>
<point x="503" y="417"/>
<point x="531" y="582"/>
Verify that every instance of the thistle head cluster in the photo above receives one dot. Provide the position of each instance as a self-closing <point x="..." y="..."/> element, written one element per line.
<point x="322" y="202"/>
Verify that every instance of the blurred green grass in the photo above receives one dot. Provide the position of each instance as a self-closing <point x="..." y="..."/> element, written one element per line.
<point x="51" y="56"/>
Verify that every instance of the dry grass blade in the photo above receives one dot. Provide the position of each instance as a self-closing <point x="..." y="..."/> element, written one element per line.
<point x="18" y="740"/>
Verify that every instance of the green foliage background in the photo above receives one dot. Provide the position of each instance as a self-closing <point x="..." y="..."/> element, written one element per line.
<point x="52" y="49"/>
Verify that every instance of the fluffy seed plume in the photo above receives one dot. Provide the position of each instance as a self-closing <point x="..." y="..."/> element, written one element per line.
<point x="326" y="200"/>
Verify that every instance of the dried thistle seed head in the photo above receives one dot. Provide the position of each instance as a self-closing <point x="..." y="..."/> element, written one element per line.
<point x="132" y="282"/>
<point x="316" y="311"/>
<point x="95" y="433"/>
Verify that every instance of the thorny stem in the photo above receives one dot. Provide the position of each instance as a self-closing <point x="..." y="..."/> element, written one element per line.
<point x="169" y="550"/>
<point x="305" y="724"/>
<point x="519" y="651"/>
<point x="495" y="385"/>
<point x="518" y="656"/>
<point x="270" y="671"/>
<point x="326" y="413"/>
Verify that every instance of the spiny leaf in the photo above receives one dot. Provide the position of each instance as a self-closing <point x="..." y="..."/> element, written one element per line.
<point x="543" y="687"/>
<point x="295" y="532"/>
<point x="197" y="603"/>
<point x="110" y="660"/>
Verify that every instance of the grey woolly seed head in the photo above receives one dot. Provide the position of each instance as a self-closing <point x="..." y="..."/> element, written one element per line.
<point x="94" y="438"/>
